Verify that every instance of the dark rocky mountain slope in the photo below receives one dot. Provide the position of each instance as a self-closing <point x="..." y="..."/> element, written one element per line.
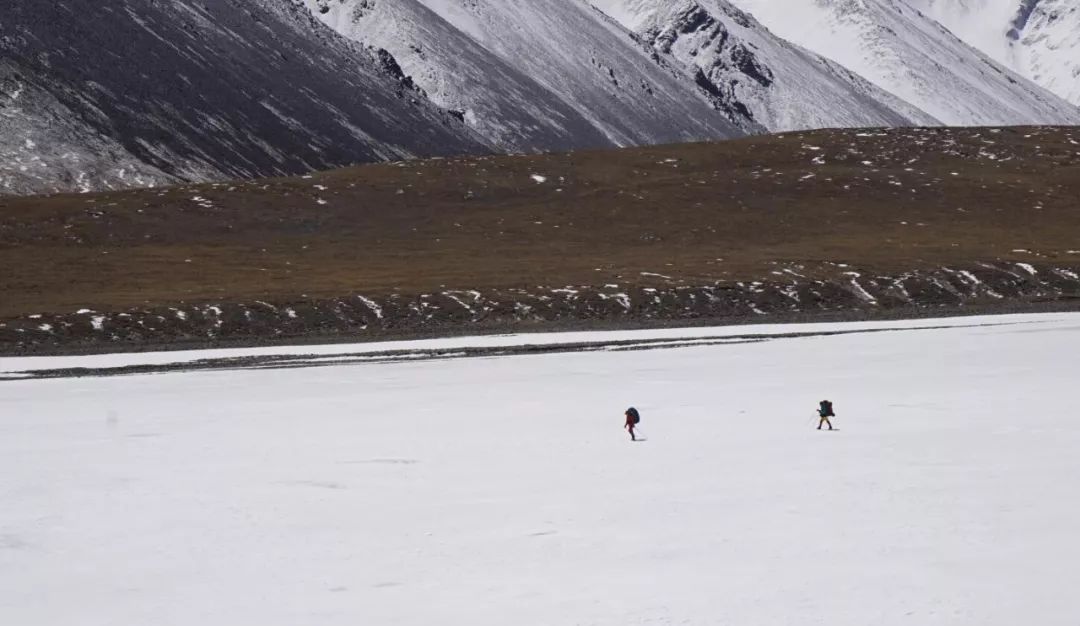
<point x="98" y="95"/>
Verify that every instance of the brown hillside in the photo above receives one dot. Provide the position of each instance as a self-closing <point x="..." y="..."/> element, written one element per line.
<point x="882" y="201"/>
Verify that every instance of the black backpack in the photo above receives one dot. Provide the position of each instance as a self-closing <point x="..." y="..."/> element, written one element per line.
<point x="634" y="415"/>
<point x="826" y="409"/>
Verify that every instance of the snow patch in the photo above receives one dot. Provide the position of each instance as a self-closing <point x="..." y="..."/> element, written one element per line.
<point x="371" y="304"/>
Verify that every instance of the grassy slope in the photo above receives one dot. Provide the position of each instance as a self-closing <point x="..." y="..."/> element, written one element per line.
<point x="883" y="200"/>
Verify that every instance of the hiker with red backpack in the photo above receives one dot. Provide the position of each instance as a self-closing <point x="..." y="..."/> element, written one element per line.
<point x="633" y="418"/>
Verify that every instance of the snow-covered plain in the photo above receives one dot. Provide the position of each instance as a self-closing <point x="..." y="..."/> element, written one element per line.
<point x="502" y="491"/>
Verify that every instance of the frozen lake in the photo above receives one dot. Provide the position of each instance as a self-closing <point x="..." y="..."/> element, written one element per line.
<point x="503" y="491"/>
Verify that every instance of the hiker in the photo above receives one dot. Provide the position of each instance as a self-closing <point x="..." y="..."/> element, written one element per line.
<point x="825" y="411"/>
<point x="632" y="419"/>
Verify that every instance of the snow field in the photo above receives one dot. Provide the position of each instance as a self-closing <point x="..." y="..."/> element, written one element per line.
<point x="501" y="490"/>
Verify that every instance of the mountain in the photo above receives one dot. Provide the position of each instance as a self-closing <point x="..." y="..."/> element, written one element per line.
<point x="103" y="95"/>
<point x="499" y="101"/>
<point x="133" y="93"/>
<point x="537" y="74"/>
<point x="914" y="57"/>
<point x="46" y="145"/>
<point x="771" y="81"/>
<point x="1039" y="39"/>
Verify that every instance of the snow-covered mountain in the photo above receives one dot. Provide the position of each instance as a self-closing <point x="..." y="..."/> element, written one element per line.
<point x="536" y="74"/>
<point x="778" y="84"/>
<point x="100" y="95"/>
<point x="542" y="74"/>
<point x="46" y="145"/>
<point x="911" y="55"/>
<point x="493" y="96"/>
<point x="129" y="92"/>
<point x="1040" y="39"/>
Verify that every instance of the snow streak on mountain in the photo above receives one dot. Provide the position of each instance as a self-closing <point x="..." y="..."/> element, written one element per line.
<point x="765" y="78"/>
<point x="914" y="57"/>
<point x="100" y="95"/>
<point x="536" y="74"/>
<point x="1039" y="39"/>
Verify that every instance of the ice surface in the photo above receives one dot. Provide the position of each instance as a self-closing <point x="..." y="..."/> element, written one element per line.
<point x="495" y="491"/>
<point x="18" y="364"/>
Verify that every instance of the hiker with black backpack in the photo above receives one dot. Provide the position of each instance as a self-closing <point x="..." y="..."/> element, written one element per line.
<point x="825" y="411"/>
<point x="633" y="418"/>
